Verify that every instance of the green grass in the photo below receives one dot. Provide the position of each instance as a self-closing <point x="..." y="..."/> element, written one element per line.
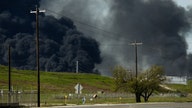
<point x="55" y="85"/>
<point x="54" y="81"/>
<point x="181" y="87"/>
<point x="170" y="99"/>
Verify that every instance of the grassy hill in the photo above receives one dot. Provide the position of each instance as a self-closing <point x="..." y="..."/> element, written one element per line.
<point x="54" y="81"/>
<point x="63" y="81"/>
<point x="55" y="85"/>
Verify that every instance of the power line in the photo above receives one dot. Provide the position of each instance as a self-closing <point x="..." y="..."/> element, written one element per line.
<point x="92" y="29"/>
<point x="82" y="67"/>
<point x="85" y="24"/>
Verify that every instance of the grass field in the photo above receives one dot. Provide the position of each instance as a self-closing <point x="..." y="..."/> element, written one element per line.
<point x="54" y="81"/>
<point x="55" y="86"/>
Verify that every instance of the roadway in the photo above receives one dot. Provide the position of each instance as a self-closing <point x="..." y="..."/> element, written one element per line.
<point x="137" y="105"/>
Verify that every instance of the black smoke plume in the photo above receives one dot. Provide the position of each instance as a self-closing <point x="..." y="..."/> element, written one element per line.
<point x="61" y="44"/>
<point x="159" y="24"/>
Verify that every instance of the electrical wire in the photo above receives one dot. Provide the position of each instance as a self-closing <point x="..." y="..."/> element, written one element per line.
<point x="90" y="26"/>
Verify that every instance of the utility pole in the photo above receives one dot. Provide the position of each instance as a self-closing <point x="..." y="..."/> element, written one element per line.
<point x="137" y="93"/>
<point x="37" y="11"/>
<point x="77" y="66"/>
<point x="135" y="44"/>
<point x="9" y="59"/>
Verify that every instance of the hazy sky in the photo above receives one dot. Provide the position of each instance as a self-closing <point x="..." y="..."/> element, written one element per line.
<point x="185" y="4"/>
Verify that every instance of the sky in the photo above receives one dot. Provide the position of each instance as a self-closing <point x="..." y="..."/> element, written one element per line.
<point x="186" y="4"/>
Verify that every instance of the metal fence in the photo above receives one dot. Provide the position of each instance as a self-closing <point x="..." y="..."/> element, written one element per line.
<point x="29" y="98"/>
<point x="26" y="98"/>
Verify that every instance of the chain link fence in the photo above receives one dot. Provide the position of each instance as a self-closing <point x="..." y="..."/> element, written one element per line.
<point x="29" y="98"/>
<point x="18" y="98"/>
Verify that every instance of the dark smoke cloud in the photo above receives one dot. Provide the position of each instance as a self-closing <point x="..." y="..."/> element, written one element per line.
<point x="160" y="24"/>
<point x="61" y="44"/>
